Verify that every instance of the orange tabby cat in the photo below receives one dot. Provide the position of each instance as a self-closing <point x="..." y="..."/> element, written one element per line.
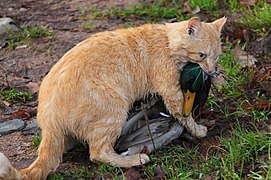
<point x="87" y="94"/>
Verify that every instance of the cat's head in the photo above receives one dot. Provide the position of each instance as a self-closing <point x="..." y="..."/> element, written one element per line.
<point x="199" y="42"/>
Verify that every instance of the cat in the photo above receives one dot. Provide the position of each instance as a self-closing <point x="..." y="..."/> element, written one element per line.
<point x="87" y="94"/>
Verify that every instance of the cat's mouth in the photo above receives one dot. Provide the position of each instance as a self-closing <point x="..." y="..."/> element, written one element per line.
<point x="214" y="73"/>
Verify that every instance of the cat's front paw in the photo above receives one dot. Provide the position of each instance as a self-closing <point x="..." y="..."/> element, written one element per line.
<point x="200" y="131"/>
<point x="195" y="129"/>
<point x="144" y="158"/>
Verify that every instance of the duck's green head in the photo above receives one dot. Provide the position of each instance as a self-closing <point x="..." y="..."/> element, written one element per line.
<point x="195" y="84"/>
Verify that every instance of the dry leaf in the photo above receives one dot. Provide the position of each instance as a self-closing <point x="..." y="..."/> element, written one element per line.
<point x="245" y="59"/>
<point x="34" y="87"/>
<point x="159" y="173"/>
<point x="187" y="6"/>
<point x="189" y="10"/>
<point x="247" y="3"/>
<point x="6" y="103"/>
<point x="218" y="81"/>
<point x="132" y="174"/>
<point x="196" y="10"/>
<point x="21" y="114"/>
<point x="206" y="122"/>
<point x="208" y="146"/>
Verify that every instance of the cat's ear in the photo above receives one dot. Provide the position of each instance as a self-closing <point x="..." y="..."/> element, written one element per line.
<point x="193" y="26"/>
<point x="219" y="23"/>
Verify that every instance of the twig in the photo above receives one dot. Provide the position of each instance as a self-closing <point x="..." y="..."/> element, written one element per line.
<point x="148" y="125"/>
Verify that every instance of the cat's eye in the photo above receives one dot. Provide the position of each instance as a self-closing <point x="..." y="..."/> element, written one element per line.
<point x="202" y="56"/>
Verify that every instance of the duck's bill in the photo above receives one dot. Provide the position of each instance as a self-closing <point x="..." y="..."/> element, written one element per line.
<point x="189" y="98"/>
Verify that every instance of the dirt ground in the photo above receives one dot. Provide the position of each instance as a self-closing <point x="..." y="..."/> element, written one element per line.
<point x="28" y="64"/>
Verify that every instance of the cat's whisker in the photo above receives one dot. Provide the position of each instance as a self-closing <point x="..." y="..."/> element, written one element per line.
<point x="215" y="73"/>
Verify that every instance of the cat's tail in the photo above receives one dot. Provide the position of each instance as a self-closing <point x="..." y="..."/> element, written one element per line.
<point x="8" y="172"/>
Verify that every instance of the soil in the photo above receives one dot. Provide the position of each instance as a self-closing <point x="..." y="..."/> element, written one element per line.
<point x="24" y="67"/>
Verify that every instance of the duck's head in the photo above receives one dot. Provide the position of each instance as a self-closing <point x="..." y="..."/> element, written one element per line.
<point x="195" y="84"/>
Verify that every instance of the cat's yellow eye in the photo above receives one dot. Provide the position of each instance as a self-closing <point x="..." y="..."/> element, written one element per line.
<point x="202" y="56"/>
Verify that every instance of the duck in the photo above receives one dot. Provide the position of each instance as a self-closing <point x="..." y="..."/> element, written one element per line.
<point x="195" y="84"/>
<point x="149" y="125"/>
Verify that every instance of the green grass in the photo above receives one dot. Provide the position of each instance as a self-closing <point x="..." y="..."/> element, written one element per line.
<point x="242" y="151"/>
<point x="110" y="171"/>
<point x="13" y="96"/>
<point x="237" y="157"/>
<point x="128" y="25"/>
<point x="81" y="172"/>
<point x="234" y="75"/>
<point x="233" y="5"/>
<point x="89" y="25"/>
<point x="76" y="172"/>
<point x="56" y="176"/>
<point x="150" y="11"/>
<point x="205" y="5"/>
<point x="36" y="141"/>
<point x="159" y="9"/>
<point x="26" y="34"/>
<point x="258" y="18"/>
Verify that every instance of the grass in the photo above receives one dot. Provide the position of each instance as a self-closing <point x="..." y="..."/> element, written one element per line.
<point x="150" y="11"/>
<point x="13" y="96"/>
<point x="258" y="18"/>
<point x="237" y="157"/>
<point x="81" y="172"/>
<point x="159" y="9"/>
<point x="205" y="5"/>
<point x="241" y="154"/>
<point x="26" y="34"/>
<point x="90" y="25"/>
<point x="77" y="172"/>
<point x="233" y="5"/>
<point x="56" y="176"/>
<point x="236" y="77"/>
<point x="36" y="141"/>
<point x="112" y="172"/>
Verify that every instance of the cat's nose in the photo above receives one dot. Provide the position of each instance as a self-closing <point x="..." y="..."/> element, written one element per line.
<point x="212" y="70"/>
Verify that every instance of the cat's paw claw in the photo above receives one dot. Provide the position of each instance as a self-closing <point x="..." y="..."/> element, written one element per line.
<point x="144" y="158"/>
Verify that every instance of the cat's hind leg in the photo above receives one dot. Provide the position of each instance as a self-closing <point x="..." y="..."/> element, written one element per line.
<point x="108" y="155"/>
<point x="102" y="140"/>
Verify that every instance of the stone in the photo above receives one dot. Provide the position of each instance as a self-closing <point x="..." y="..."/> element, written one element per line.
<point x="11" y="126"/>
<point x="7" y="24"/>
<point x="32" y="126"/>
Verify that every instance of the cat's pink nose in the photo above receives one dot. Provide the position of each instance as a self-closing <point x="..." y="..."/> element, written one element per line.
<point x="211" y="69"/>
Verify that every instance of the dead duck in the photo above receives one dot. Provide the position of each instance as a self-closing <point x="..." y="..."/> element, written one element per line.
<point x="195" y="84"/>
<point x="161" y="128"/>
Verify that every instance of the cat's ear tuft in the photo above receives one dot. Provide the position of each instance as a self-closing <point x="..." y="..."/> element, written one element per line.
<point x="219" y="23"/>
<point x="193" y="26"/>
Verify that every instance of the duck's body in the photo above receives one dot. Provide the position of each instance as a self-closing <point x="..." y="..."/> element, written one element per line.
<point x="135" y="136"/>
